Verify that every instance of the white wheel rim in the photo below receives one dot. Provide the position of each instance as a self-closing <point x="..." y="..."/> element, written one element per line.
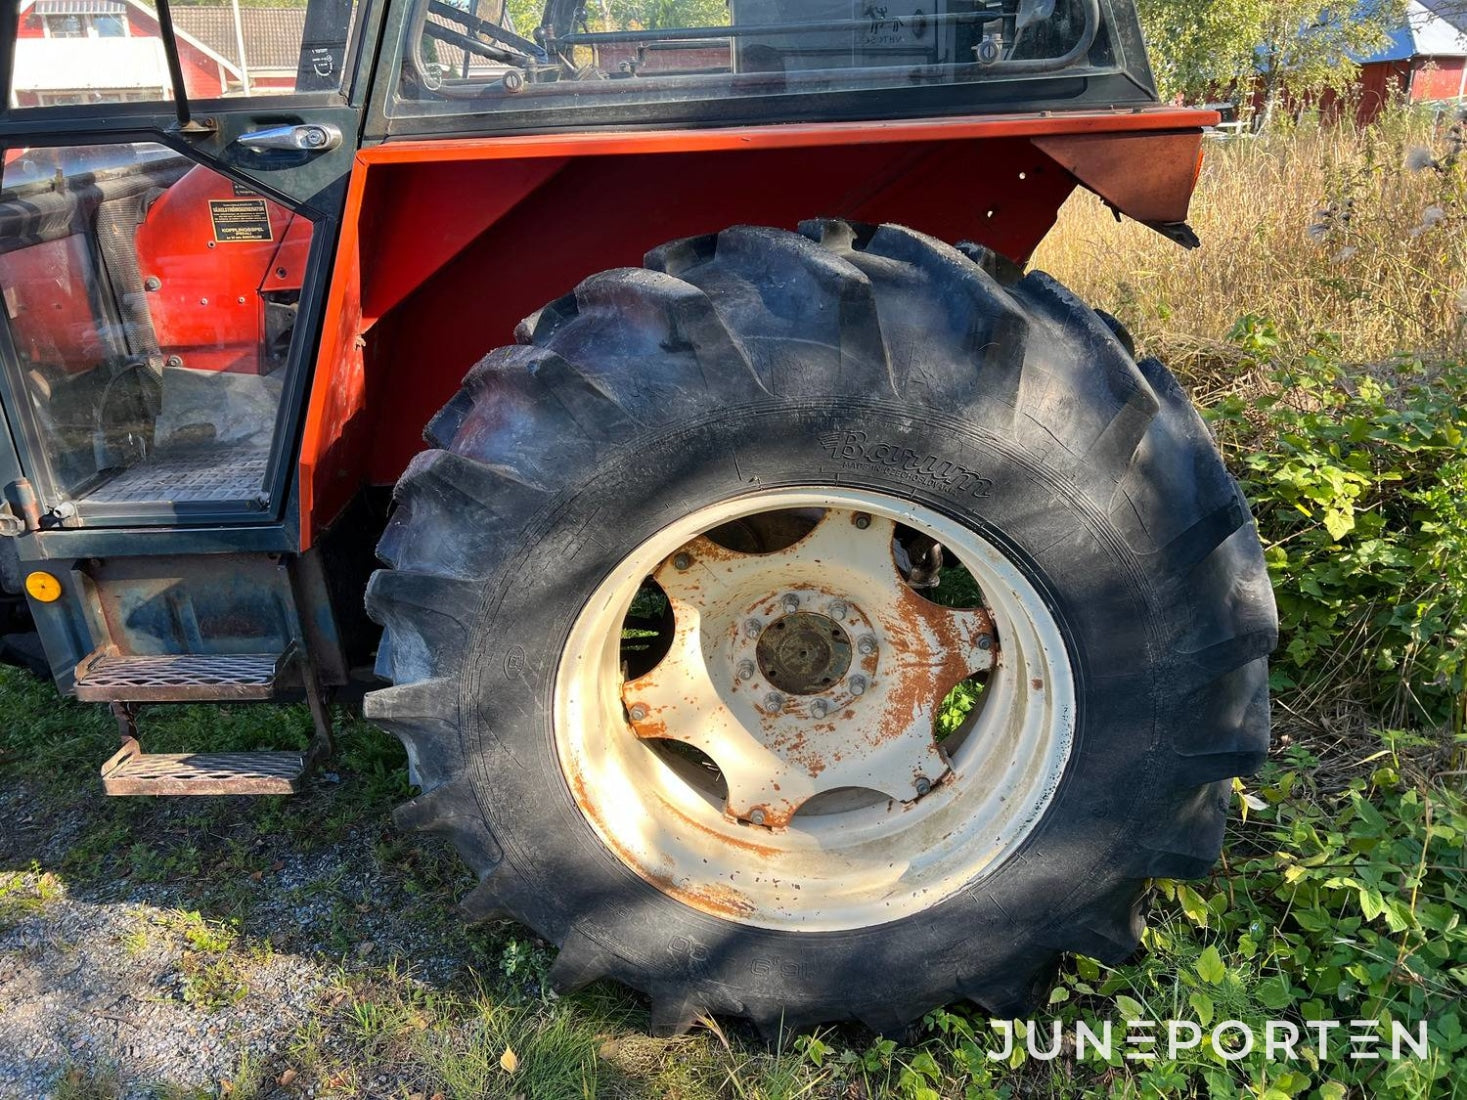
<point x="947" y="819"/>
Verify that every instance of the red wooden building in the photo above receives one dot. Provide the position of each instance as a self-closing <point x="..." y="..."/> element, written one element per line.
<point x="1425" y="62"/>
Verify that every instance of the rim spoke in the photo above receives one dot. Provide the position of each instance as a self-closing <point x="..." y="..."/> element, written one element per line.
<point x="850" y="542"/>
<point x="699" y="574"/>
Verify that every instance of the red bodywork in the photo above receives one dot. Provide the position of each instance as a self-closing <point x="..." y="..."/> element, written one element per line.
<point x="206" y="302"/>
<point x="446" y="245"/>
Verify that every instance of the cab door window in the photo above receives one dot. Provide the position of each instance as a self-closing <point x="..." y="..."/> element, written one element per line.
<point x="150" y="306"/>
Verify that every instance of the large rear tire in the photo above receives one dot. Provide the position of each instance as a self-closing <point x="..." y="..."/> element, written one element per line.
<point x="770" y="425"/>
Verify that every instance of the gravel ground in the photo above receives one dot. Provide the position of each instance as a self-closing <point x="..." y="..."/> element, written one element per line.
<point x="111" y="986"/>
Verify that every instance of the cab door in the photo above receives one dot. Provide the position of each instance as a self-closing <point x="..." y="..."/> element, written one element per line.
<point x="171" y="185"/>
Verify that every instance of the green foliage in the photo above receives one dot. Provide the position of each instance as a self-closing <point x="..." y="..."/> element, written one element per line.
<point x="1297" y="48"/>
<point x="1359" y="483"/>
<point x="1343" y="906"/>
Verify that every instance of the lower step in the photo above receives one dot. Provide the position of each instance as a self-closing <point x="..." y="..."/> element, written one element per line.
<point x="134" y="772"/>
<point x="181" y="677"/>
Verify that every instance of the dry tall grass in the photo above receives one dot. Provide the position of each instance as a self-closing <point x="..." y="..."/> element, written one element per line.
<point x="1362" y="233"/>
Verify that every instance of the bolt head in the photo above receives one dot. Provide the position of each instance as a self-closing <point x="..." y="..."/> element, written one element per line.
<point x="818" y="708"/>
<point x="638" y="712"/>
<point x="682" y="562"/>
<point x="774" y="701"/>
<point x="757" y="817"/>
<point x="985" y="641"/>
<point x="858" y="685"/>
<point x="791" y="602"/>
<point x="838" y="610"/>
<point x="752" y="627"/>
<point x="922" y="785"/>
<point x="746" y="670"/>
<point x="866" y="645"/>
<point x="862" y="521"/>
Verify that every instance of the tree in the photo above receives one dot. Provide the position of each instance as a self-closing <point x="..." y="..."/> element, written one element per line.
<point x="1293" y="49"/>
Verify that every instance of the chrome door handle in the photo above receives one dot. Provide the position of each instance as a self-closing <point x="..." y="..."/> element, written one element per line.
<point x="313" y="137"/>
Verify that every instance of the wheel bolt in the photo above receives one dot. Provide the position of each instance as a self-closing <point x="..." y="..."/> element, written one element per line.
<point x="752" y="627"/>
<point x="638" y="712"/>
<point x="838" y="610"/>
<point x="746" y="670"/>
<point x="922" y="785"/>
<point x="985" y="642"/>
<point x="682" y="562"/>
<point x="858" y="685"/>
<point x="791" y="602"/>
<point x="866" y="645"/>
<point x="774" y="701"/>
<point x="818" y="708"/>
<point x="862" y="521"/>
<point x="757" y="817"/>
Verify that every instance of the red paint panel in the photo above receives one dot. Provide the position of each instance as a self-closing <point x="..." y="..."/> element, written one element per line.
<point x="207" y="309"/>
<point x="1149" y="177"/>
<point x="447" y="244"/>
<point x="603" y="213"/>
<point x="423" y="219"/>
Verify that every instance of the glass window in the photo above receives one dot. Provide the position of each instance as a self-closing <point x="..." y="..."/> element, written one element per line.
<point x="150" y="304"/>
<point x="517" y="55"/>
<point x="111" y="51"/>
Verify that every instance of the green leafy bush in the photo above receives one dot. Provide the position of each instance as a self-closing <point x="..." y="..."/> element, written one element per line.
<point x="1358" y="478"/>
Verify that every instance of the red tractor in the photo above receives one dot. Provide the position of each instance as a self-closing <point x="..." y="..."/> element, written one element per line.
<point x="791" y="607"/>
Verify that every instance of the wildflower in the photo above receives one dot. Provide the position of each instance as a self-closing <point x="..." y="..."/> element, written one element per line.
<point x="1432" y="217"/>
<point x="1420" y="159"/>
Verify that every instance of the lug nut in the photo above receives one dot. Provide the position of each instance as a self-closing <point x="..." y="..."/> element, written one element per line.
<point x="866" y="645"/>
<point x="752" y="627"/>
<point x="858" y="685"/>
<point x="818" y="708"/>
<point x="791" y="602"/>
<point x="922" y="785"/>
<point x="838" y="610"/>
<point x="757" y="817"/>
<point x="746" y="670"/>
<point x="862" y="521"/>
<point x="774" y="701"/>
<point x="682" y="562"/>
<point x="985" y="642"/>
<point x="638" y="712"/>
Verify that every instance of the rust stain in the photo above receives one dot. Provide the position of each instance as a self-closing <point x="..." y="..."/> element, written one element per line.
<point x="1037" y="684"/>
<point x="765" y="851"/>
<point x="650" y="728"/>
<point x="713" y="898"/>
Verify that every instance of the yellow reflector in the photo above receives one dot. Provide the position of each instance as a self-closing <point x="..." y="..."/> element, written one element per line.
<point x="43" y="587"/>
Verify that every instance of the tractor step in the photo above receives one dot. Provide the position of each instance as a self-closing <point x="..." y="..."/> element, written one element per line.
<point x="132" y="771"/>
<point x="107" y="676"/>
<point x="126" y="681"/>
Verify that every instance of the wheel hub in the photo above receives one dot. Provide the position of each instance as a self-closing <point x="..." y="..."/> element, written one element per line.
<point x="804" y="653"/>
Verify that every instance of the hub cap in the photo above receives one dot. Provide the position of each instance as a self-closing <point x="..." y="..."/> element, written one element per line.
<point x="779" y="765"/>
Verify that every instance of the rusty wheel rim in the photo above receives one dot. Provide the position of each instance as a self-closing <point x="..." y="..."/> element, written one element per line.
<point x="779" y="765"/>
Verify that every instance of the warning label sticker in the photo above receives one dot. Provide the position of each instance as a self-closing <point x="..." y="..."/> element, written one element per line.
<point x="237" y="220"/>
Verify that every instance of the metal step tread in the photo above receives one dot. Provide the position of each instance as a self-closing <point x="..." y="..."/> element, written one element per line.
<point x="132" y="771"/>
<point x="106" y="676"/>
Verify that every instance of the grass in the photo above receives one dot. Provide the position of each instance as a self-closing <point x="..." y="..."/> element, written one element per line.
<point x="1359" y="233"/>
<point x="1344" y="881"/>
